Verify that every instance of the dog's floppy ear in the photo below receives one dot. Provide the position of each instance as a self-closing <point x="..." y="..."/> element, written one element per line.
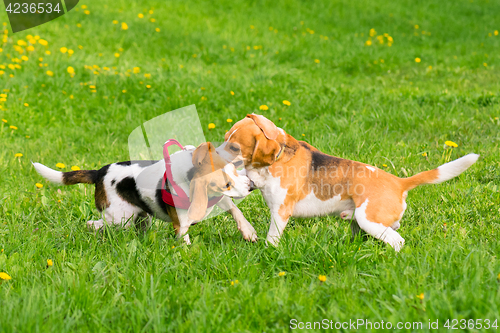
<point x="265" y="152"/>
<point x="199" y="198"/>
<point x="267" y="127"/>
<point x="201" y="153"/>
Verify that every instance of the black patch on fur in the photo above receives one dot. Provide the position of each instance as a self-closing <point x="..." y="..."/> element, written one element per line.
<point x="127" y="189"/>
<point x="113" y="182"/>
<point x="141" y="163"/>
<point x="322" y="160"/>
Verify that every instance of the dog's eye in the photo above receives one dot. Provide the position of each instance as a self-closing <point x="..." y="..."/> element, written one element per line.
<point x="234" y="148"/>
<point x="228" y="185"/>
<point x="212" y="184"/>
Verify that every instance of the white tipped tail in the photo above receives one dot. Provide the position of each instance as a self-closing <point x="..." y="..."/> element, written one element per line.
<point x="454" y="168"/>
<point x="49" y="174"/>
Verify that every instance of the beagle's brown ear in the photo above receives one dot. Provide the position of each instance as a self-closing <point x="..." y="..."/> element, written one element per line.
<point x="199" y="199"/>
<point x="267" y="127"/>
<point x="201" y="153"/>
<point x="265" y="152"/>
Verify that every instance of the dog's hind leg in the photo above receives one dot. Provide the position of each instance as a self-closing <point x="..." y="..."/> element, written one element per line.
<point x="378" y="230"/>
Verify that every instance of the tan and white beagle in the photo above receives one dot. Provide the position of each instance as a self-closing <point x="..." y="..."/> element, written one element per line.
<point x="129" y="193"/>
<point x="297" y="179"/>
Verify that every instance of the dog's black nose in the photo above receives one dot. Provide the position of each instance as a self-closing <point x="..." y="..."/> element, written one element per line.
<point x="252" y="185"/>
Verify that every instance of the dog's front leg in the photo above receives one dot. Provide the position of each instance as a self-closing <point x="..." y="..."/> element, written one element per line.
<point x="246" y="229"/>
<point x="180" y="223"/>
<point x="278" y="224"/>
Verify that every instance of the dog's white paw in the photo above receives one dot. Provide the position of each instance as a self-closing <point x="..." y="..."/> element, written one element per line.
<point x="273" y="240"/>
<point x="95" y="225"/>
<point x="347" y="215"/>
<point x="186" y="239"/>
<point x="394" y="239"/>
<point x="249" y="233"/>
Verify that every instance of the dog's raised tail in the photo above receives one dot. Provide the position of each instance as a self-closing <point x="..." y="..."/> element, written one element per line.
<point x="66" y="178"/>
<point x="442" y="173"/>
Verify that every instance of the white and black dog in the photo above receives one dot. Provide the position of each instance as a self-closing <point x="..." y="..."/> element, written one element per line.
<point x="129" y="193"/>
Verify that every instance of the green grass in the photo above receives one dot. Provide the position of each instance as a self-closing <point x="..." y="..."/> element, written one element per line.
<point x="350" y="104"/>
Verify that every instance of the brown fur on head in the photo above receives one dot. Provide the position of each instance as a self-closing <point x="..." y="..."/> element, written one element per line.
<point x="209" y="179"/>
<point x="257" y="139"/>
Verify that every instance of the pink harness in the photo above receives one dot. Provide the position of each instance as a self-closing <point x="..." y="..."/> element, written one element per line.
<point x="181" y="200"/>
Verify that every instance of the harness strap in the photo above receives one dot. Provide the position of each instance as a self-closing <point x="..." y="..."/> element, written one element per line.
<point x="181" y="200"/>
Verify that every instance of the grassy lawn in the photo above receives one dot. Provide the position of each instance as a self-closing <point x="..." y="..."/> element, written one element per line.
<point x="388" y="100"/>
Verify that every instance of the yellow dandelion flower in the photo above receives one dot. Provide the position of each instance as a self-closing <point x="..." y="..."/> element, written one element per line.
<point x="25" y="58"/>
<point x="384" y="165"/>
<point x="287" y="103"/>
<point x="232" y="283"/>
<point x="63" y="49"/>
<point x="71" y="70"/>
<point x="416" y="26"/>
<point x="60" y="165"/>
<point x="80" y="47"/>
<point x="124" y="91"/>
<point x="147" y="76"/>
<point x="38" y="185"/>
<point x="4" y="120"/>
<point x="50" y="73"/>
<point x="322" y="278"/>
<point x="424" y="154"/>
<point x="485" y="64"/>
<point x="263" y="107"/>
<point x="368" y="43"/>
<point x="13" y="127"/>
<point x="49" y="262"/>
<point x="150" y="11"/>
<point x="115" y="22"/>
<point x="317" y="61"/>
<point x="18" y="155"/>
<point x="451" y="144"/>
<point x="232" y="92"/>
<point x="211" y="126"/>
<point x="421" y="296"/>
<point x="140" y="15"/>
<point x="152" y="20"/>
<point x="417" y="60"/>
<point x="4" y="276"/>
<point x="84" y="6"/>
<point x="124" y="26"/>
<point x="47" y="52"/>
<point x="157" y="29"/>
<point x="70" y="51"/>
<point x="86" y="12"/>
<point x="117" y="54"/>
<point x="79" y="25"/>
<point x="75" y="168"/>
<point x="229" y="120"/>
<point x="148" y="86"/>
<point x="136" y="70"/>
<point x="281" y="274"/>
<point x="26" y="104"/>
